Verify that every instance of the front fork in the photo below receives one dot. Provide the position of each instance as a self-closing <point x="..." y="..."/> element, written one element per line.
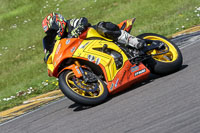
<point x="81" y="71"/>
<point x="88" y="76"/>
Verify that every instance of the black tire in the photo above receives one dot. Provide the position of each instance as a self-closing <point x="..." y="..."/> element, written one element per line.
<point x="160" y="67"/>
<point x="71" y="94"/>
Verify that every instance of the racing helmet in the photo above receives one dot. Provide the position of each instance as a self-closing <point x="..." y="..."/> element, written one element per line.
<point x="54" y="22"/>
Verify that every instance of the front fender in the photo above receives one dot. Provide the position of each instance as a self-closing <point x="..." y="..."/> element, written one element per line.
<point x="75" y="70"/>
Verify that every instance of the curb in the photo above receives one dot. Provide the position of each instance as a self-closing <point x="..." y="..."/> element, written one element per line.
<point x="38" y="101"/>
<point x="29" y="105"/>
<point x="187" y="31"/>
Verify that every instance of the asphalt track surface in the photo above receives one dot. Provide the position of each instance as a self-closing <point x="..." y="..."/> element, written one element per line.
<point x="169" y="104"/>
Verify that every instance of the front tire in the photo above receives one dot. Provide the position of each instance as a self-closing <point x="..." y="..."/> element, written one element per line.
<point x="72" y="88"/>
<point x="166" y="63"/>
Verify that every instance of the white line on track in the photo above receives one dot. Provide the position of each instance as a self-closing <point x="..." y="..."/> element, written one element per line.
<point x="62" y="99"/>
<point x="194" y="39"/>
<point x="184" y="46"/>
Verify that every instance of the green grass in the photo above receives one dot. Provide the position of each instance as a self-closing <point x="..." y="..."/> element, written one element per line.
<point x="21" y="33"/>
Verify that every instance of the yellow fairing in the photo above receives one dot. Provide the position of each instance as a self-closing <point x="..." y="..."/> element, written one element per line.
<point x="171" y="56"/>
<point x="93" y="33"/>
<point x="91" y="50"/>
<point x="50" y="65"/>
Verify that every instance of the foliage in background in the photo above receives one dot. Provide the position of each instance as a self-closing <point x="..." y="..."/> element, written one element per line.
<point x="21" y="33"/>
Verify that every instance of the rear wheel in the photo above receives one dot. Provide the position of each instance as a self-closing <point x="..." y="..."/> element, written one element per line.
<point x="165" y="63"/>
<point x="79" y="91"/>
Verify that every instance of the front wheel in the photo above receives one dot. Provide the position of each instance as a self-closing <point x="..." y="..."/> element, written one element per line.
<point x="165" y="63"/>
<point x="79" y="91"/>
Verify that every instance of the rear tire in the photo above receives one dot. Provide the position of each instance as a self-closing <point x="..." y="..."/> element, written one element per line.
<point x="76" y="94"/>
<point x="159" y="66"/>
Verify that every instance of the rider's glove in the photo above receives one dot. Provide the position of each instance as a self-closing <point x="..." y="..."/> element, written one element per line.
<point x="77" y="31"/>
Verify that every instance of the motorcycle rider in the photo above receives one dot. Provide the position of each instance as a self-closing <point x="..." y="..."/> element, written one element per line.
<point x="57" y="27"/>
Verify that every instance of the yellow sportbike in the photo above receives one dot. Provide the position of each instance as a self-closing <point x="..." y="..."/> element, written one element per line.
<point x="91" y="67"/>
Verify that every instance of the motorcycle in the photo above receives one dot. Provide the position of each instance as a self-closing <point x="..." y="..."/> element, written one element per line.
<point x="92" y="68"/>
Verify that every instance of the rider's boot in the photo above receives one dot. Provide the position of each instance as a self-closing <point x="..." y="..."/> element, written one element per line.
<point x="128" y="39"/>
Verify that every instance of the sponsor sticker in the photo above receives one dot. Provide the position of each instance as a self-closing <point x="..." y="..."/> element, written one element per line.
<point x="116" y="82"/>
<point x="77" y="70"/>
<point x="67" y="42"/>
<point x="140" y="72"/>
<point x="83" y="46"/>
<point x="72" y="50"/>
<point x="98" y="61"/>
<point x="111" y="88"/>
<point x="58" y="48"/>
<point x="135" y="68"/>
<point x="59" y="57"/>
<point x="91" y="58"/>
